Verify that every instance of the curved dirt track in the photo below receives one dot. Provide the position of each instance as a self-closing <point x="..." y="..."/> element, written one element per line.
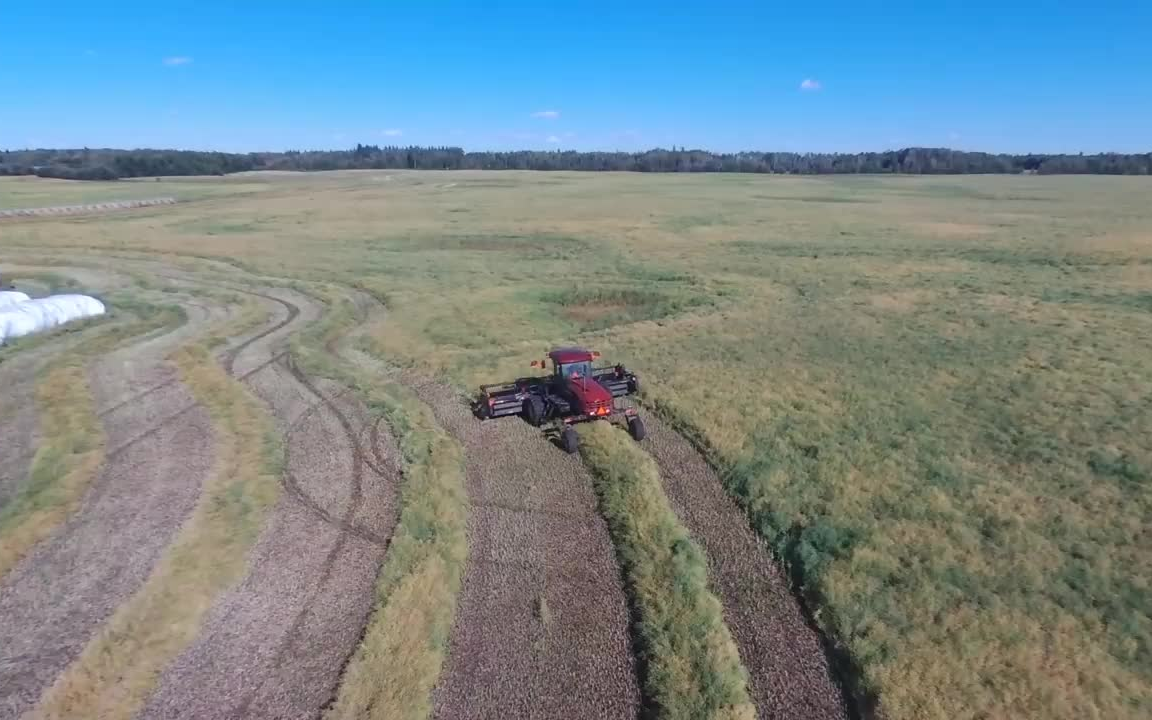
<point x="53" y="601"/>
<point x="275" y="645"/>
<point x="788" y="671"/>
<point x="541" y="628"/>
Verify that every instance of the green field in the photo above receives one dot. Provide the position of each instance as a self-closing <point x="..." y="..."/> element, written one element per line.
<point x="932" y="395"/>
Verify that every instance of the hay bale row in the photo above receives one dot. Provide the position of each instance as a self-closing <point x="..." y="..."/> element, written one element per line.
<point x="85" y="209"/>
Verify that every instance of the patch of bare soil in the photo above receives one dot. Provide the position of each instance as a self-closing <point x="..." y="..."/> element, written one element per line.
<point x="541" y="629"/>
<point x="789" y="675"/>
<point x="159" y="454"/>
<point x="590" y="312"/>
<point x="275" y="645"/>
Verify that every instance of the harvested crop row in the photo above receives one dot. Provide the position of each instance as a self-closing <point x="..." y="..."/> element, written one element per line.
<point x="542" y="625"/>
<point x="104" y="551"/>
<point x="693" y="668"/>
<point x="67" y="460"/>
<point x="118" y="668"/>
<point x="26" y="387"/>
<point x="400" y="657"/>
<point x="274" y="645"/>
<point x="789" y="674"/>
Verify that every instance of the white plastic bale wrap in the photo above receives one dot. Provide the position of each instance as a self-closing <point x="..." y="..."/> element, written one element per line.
<point x="9" y="298"/>
<point x="33" y="316"/>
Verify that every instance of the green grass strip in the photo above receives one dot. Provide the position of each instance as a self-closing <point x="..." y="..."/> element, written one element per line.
<point x="67" y="460"/>
<point x="693" y="666"/>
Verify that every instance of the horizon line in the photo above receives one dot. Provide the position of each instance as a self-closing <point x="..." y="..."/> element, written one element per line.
<point x="683" y="149"/>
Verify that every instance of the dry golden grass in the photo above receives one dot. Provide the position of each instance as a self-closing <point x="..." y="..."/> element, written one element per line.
<point x="69" y="456"/>
<point x="119" y="667"/>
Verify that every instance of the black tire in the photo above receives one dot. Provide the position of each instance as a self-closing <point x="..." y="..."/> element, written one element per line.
<point x="569" y="441"/>
<point x="534" y="411"/>
<point x="636" y="429"/>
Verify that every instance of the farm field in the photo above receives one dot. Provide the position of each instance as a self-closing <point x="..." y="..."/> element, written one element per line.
<point x="899" y="460"/>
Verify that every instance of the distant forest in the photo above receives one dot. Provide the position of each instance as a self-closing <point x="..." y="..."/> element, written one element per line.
<point x="93" y="164"/>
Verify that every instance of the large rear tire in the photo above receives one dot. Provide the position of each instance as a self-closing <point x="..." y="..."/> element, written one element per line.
<point x="569" y="441"/>
<point x="636" y="429"/>
<point x="534" y="411"/>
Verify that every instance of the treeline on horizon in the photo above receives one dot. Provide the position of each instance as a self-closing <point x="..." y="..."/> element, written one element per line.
<point x="109" y="164"/>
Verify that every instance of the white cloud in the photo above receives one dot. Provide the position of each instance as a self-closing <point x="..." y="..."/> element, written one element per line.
<point x="177" y="60"/>
<point x="811" y="85"/>
<point x="552" y="139"/>
<point x="546" y="114"/>
<point x="392" y="132"/>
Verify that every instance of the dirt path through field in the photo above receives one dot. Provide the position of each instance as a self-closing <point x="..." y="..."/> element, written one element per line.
<point x="158" y="455"/>
<point x="275" y="645"/>
<point x="788" y="670"/>
<point x="542" y="626"/>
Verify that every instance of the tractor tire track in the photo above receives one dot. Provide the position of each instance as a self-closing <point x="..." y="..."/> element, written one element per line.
<point x="359" y="462"/>
<point x="293" y="312"/>
<point x="542" y="625"/>
<point x="789" y="674"/>
<point x="274" y="645"/>
<point x="61" y="593"/>
<point x="292" y="487"/>
<point x="162" y="423"/>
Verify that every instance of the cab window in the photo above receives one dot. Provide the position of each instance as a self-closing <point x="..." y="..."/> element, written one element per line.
<point x="581" y="369"/>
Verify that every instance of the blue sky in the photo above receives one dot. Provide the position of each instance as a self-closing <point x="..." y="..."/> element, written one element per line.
<point x="1028" y="75"/>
